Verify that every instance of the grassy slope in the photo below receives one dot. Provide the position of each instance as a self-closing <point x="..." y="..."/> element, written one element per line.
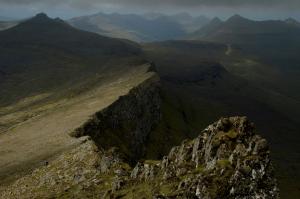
<point x="53" y="77"/>
<point x="45" y="55"/>
<point x="204" y="92"/>
<point x="274" y="43"/>
<point x="190" y="102"/>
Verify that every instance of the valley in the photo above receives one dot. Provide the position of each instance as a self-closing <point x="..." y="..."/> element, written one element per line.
<point x="92" y="110"/>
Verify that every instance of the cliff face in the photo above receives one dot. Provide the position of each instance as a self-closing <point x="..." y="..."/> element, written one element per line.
<point x="227" y="160"/>
<point x="127" y="122"/>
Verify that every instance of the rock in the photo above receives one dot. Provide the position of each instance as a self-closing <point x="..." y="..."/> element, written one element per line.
<point x="227" y="160"/>
<point x="138" y="169"/>
<point x="117" y="184"/>
<point x="129" y="119"/>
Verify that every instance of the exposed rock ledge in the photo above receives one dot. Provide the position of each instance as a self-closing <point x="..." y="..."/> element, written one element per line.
<point x="227" y="160"/>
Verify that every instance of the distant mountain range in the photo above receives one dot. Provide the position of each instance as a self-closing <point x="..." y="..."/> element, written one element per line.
<point x="239" y="26"/>
<point x="273" y="42"/>
<point x="189" y="23"/>
<point x="141" y="28"/>
<point x="256" y="73"/>
<point x="224" y="68"/>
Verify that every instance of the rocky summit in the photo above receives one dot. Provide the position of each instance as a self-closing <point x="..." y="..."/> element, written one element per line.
<point x="227" y="160"/>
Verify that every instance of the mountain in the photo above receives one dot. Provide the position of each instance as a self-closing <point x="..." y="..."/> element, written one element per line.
<point x="53" y="79"/>
<point x="202" y="81"/>
<point x="189" y="23"/>
<point x="140" y="28"/>
<point x="83" y="114"/>
<point x="209" y="27"/>
<point x="217" y="164"/>
<point x="43" y="47"/>
<point x="273" y="43"/>
<point x="130" y="26"/>
<point x="255" y="37"/>
<point x="58" y="82"/>
<point x="240" y="26"/>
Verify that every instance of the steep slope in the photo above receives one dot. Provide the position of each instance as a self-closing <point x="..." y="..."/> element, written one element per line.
<point x="207" y="29"/>
<point x="228" y="160"/>
<point x="53" y="79"/>
<point x="197" y="90"/>
<point x="43" y="54"/>
<point x="130" y="26"/>
<point x="275" y="42"/>
<point x="188" y="60"/>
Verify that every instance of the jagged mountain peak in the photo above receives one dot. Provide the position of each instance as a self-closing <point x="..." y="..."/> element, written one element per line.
<point x="40" y="28"/>
<point x="43" y="19"/>
<point x="41" y="15"/>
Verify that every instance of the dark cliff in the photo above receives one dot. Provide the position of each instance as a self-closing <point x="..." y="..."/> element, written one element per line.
<point x="127" y="122"/>
<point x="228" y="159"/>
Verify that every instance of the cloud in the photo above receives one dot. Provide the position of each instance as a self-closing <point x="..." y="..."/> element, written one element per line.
<point x="223" y="8"/>
<point x="153" y="3"/>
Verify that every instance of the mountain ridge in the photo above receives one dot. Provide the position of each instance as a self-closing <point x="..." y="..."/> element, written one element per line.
<point x="238" y="24"/>
<point x="42" y="44"/>
<point x="140" y="28"/>
<point x="58" y="81"/>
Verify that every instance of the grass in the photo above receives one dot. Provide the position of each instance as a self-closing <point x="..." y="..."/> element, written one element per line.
<point x="224" y="163"/>
<point x="232" y="134"/>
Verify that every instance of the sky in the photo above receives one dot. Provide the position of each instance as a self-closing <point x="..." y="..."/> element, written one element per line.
<point x="255" y="9"/>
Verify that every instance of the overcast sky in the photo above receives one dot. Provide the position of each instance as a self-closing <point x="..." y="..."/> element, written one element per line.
<point x="256" y="9"/>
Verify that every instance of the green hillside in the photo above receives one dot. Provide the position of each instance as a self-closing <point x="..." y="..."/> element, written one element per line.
<point x="47" y="55"/>
<point x="273" y="43"/>
<point x="202" y="83"/>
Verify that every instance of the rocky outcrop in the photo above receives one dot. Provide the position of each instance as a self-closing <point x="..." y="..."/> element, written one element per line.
<point x="228" y="160"/>
<point x="126" y="123"/>
<point x="83" y="172"/>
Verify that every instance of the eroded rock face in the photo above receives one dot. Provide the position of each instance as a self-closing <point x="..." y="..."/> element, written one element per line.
<point x="228" y="160"/>
<point x="126" y="123"/>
